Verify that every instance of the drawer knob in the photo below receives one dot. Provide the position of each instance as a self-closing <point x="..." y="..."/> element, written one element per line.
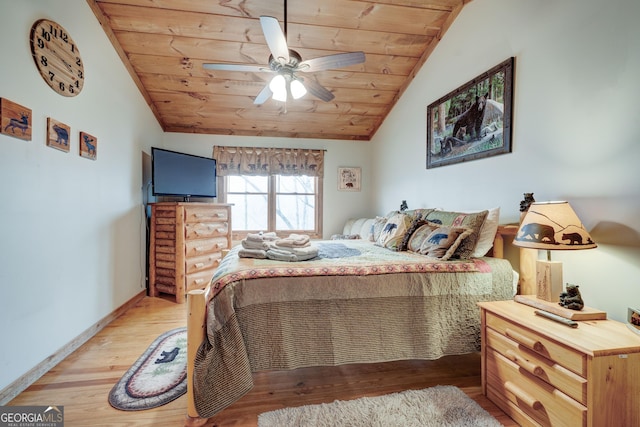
<point x="199" y="264"/>
<point x="524" y="340"/>
<point x="523" y="396"/>
<point x="532" y="368"/>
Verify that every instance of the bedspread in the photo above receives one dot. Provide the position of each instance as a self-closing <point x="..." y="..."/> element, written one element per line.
<point x="355" y="303"/>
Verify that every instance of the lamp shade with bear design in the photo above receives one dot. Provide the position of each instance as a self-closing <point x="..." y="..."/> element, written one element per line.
<point x="551" y="226"/>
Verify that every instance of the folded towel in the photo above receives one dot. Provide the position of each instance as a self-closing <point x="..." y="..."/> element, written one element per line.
<point x="303" y="251"/>
<point x="294" y="240"/>
<point x="252" y="244"/>
<point x="252" y="253"/>
<point x="292" y="254"/>
<point x="279" y="255"/>
<point x="261" y="237"/>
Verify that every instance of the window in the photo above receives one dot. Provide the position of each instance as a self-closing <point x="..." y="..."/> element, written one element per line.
<point x="282" y="203"/>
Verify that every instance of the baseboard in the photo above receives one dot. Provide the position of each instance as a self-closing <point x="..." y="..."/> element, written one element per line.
<point x="18" y="386"/>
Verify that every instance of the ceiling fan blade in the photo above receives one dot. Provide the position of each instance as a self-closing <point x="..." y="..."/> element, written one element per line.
<point x="236" y="67"/>
<point x="263" y="96"/>
<point x="338" y="60"/>
<point x="317" y="90"/>
<point x="275" y="38"/>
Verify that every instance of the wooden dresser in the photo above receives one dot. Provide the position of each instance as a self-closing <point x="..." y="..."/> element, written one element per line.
<point x="543" y="373"/>
<point x="185" y="247"/>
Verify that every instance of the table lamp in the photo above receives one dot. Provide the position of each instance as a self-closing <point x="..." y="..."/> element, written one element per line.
<point x="551" y="226"/>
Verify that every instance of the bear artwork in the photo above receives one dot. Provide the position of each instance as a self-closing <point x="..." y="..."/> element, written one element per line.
<point x="471" y="120"/>
<point x="571" y="299"/>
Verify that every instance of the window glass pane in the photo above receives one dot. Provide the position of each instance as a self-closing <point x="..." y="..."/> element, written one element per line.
<point x="247" y="184"/>
<point x="249" y="211"/>
<point x="295" y="212"/>
<point x="295" y="184"/>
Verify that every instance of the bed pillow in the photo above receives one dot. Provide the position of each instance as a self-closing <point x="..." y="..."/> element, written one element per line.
<point x="394" y="230"/>
<point x="487" y="233"/>
<point x="443" y="241"/>
<point x="472" y="221"/>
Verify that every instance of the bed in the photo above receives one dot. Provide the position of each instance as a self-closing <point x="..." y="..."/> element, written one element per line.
<point x="357" y="302"/>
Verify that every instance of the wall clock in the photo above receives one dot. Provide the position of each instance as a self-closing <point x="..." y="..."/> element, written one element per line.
<point x="57" y="57"/>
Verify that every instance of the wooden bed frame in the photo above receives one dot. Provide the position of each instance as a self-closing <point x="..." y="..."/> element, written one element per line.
<point x="197" y="301"/>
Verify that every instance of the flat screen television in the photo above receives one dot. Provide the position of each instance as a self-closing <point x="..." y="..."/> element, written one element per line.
<point x="182" y="175"/>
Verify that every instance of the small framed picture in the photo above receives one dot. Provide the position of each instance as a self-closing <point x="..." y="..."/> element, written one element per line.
<point x="633" y="319"/>
<point x="349" y="179"/>
<point x="88" y="146"/>
<point x="58" y="135"/>
<point x="15" y="120"/>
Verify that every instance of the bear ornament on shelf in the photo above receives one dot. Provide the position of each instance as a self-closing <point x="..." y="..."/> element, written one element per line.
<point x="571" y="298"/>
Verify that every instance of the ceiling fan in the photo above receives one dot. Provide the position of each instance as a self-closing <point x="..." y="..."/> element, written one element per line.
<point x="287" y="63"/>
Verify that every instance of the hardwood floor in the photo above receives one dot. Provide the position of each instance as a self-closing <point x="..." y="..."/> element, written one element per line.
<point x="81" y="382"/>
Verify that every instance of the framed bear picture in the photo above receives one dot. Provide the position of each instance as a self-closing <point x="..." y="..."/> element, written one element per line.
<point x="473" y="121"/>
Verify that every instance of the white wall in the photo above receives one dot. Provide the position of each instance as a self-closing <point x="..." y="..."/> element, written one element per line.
<point x="72" y="241"/>
<point x="338" y="205"/>
<point x="576" y="130"/>
<point x="71" y="250"/>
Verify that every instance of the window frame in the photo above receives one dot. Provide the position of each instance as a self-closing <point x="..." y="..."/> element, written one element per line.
<point x="271" y="203"/>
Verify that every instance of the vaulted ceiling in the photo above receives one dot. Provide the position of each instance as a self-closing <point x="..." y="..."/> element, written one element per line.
<point x="163" y="44"/>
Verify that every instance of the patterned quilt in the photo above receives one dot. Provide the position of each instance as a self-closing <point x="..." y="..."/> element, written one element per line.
<point x="354" y="257"/>
<point x="354" y="303"/>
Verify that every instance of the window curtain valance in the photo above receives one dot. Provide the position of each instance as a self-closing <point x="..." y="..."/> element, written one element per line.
<point x="268" y="161"/>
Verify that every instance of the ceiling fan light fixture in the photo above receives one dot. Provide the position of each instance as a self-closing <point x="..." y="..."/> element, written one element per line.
<point x="278" y="86"/>
<point x="297" y="89"/>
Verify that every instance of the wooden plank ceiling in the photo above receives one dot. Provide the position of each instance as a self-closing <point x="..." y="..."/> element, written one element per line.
<point x="163" y="44"/>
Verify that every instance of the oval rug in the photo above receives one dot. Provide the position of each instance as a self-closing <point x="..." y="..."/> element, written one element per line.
<point x="157" y="377"/>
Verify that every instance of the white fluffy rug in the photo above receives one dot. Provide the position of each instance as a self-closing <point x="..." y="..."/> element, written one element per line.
<point x="441" y="406"/>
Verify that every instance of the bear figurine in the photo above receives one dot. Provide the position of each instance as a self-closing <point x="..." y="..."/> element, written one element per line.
<point x="571" y="299"/>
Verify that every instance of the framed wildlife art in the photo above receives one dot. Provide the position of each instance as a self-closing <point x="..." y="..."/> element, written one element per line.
<point x="58" y="135"/>
<point x="349" y="179"/>
<point x="15" y="120"/>
<point x="88" y="146"/>
<point x="473" y="121"/>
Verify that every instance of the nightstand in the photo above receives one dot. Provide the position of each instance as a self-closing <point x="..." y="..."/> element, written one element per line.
<point x="540" y="372"/>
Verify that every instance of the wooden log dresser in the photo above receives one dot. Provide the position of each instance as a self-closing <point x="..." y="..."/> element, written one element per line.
<point x="544" y="373"/>
<point x="186" y="244"/>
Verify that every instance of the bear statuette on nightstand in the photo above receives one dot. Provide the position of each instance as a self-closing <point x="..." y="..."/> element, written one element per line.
<point x="571" y="298"/>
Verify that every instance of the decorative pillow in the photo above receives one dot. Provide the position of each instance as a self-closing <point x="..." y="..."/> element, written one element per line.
<point x="473" y="221"/>
<point x="443" y="242"/>
<point x="487" y="233"/>
<point x="422" y="212"/>
<point x="420" y="235"/>
<point x="376" y="228"/>
<point x="394" y="230"/>
<point x="415" y="224"/>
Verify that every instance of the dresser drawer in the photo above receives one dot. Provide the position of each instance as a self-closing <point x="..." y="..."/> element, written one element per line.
<point x="198" y="280"/>
<point x="195" y="214"/>
<point x="547" y="370"/>
<point x="204" y="230"/>
<point x="205" y="246"/>
<point x="206" y="262"/>
<point x="564" y="356"/>
<point x="539" y="400"/>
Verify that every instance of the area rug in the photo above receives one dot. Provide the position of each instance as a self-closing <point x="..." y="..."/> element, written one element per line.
<point x="440" y="406"/>
<point x="157" y="377"/>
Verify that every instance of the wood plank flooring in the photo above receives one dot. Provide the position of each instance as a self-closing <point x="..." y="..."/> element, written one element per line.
<point x="82" y="381"/>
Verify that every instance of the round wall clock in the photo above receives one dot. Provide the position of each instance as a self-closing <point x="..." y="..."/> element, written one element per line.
<point x="57" y="57"/>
